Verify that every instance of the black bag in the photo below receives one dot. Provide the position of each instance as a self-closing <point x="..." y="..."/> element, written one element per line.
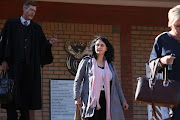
<point x="6" y="88"/>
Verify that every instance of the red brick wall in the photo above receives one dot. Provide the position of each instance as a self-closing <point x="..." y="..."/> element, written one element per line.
<point x="131" y="30"/>
<point x="58" y="70"/>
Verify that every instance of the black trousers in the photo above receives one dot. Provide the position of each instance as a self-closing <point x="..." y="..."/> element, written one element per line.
<point x="12" y="113"/>
<point x="176" y="113"/>
<point x="101" y="113"/>
<point x="22" y="72"/>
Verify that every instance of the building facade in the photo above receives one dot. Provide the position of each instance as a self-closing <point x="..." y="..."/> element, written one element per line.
<point x="131" y="30"/>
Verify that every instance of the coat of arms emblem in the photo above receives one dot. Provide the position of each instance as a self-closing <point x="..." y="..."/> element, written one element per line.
<point x="76" y="51"/>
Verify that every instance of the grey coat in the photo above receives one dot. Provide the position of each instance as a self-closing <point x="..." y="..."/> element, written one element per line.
<point x="84" y="74"/>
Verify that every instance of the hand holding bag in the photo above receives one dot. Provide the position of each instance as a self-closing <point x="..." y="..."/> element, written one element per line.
<point x="6" y="88"/>
<point x="158" y="92"/>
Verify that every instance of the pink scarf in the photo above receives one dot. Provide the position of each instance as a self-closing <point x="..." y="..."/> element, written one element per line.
<point x="96" y="87"/>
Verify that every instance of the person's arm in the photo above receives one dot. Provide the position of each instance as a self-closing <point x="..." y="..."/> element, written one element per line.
<point x="44" y="41"/>
<point x="167" y="60"/>
<point x="78" y="80"/>
<point x="45" y="48"/>
<point x="118" y="86"/>
<point x="156" y="56"/>
<point x="161" y="62"/>
<point x="119" y="90"/>
<point x="3" y="44"/>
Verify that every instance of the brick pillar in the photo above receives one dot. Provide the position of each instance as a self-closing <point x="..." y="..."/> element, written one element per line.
<point x="126" y="69"/>
<point x="31" y="113"/>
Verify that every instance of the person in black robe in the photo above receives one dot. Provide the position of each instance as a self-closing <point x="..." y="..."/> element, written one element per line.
<point x="166" y="51"/>
<point x="23" y="49"/>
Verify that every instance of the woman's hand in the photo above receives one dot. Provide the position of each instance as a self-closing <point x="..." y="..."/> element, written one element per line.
<point x="167" y="60"/>
<point x="78" y="103"/>
<point x="125" y="106"/>
<point x="4" y="65"/>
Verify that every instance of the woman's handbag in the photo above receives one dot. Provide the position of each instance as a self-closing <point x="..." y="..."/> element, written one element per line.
<point x="6" y="88"/>
<point x="158" y="92"/>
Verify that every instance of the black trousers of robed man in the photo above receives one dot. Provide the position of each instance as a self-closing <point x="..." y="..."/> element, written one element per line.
<point x="23" y="73"/>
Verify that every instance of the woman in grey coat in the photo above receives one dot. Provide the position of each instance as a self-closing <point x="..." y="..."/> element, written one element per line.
<point x="101" y="97"/>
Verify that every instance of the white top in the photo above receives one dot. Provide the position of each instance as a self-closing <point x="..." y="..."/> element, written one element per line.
<point x="102" y="84"/>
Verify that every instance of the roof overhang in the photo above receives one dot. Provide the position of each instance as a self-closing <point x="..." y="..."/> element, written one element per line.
<point x="143" y="3"/>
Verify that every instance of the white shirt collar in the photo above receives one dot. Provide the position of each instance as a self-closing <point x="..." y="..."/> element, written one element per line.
<point x="22" y="21"/>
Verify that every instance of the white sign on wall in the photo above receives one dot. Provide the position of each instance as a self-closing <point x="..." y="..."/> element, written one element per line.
<point x="61" y="100"/>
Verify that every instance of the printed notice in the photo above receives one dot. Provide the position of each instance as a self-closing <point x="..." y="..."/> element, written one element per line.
<point x="62" y="102"/>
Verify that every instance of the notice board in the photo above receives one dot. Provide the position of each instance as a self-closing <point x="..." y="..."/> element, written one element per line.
<point x="61" y="100"/>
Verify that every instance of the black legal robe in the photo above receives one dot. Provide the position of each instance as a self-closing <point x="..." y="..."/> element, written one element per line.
<point x="12" y="50"/>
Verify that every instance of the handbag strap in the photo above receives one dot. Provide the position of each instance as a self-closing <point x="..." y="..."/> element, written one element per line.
<point x="165" y="78"/>
<point x="3" y="74"/>
<point x="154" y="71"/>
<point x="153" y="106"/>
<point x="154" y="111"/>
<point x="152" y="80"/>
<point x="165" y="73"/>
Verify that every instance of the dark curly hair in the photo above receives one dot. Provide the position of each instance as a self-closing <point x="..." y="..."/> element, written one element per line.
<point x="109" y="54"/>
